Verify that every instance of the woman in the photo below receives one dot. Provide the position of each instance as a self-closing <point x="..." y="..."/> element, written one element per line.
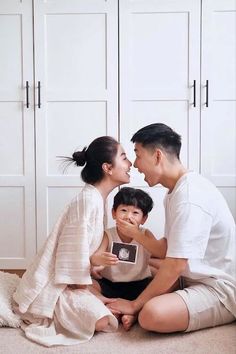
<point x="53" y="298"/>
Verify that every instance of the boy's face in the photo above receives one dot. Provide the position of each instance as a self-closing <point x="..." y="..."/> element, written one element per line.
<point x="129" y="213"/>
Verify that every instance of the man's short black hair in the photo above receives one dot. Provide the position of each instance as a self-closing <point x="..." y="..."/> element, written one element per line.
<point x="159" y="135"/>
<point x="133" y="196"/>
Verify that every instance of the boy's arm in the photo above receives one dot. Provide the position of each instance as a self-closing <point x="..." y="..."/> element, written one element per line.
<point x="101" y="257"/>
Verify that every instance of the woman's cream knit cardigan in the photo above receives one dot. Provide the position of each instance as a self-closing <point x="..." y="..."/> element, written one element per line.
<point x="64" y="258"/>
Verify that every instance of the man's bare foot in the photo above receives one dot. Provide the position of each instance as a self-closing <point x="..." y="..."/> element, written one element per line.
<point x="128" y="321"/>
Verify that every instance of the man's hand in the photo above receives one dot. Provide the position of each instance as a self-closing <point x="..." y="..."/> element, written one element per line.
<point x="122" y="306"/>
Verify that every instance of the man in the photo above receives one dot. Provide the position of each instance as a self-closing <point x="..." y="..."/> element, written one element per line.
<point x="199" y="243"/>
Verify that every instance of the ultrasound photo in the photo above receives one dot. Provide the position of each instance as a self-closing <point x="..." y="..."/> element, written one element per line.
<point x="126" y="252"/>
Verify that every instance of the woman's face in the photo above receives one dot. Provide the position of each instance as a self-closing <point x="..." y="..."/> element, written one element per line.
<point x="121" y="167"/>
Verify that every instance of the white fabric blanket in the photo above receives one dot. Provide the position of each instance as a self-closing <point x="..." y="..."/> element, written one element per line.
<point x="8" y="284"/>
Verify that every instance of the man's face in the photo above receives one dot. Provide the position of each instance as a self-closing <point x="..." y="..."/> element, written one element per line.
<point x="146" y="162"/>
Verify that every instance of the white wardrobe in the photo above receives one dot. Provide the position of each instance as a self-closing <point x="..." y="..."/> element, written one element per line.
<point x="74" y="70"/>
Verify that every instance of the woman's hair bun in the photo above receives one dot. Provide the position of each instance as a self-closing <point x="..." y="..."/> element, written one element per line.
<point x="79" y="157"/>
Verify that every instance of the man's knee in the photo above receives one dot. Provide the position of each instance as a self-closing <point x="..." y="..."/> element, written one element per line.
<point x="151" y="316"/>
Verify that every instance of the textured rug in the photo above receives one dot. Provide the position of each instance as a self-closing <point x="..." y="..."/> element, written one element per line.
<point x="218" y="340"/>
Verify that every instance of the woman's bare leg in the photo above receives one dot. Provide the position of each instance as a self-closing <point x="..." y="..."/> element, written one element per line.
<point x="165" y="314"/>
<point x="102" y="324"/>
<point x="96" y="286"/>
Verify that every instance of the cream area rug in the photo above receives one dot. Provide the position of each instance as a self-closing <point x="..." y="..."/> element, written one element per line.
<point x="218" y="340"/>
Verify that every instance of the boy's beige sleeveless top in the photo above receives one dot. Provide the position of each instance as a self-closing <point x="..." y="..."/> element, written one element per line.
<point x="124" y="272"/>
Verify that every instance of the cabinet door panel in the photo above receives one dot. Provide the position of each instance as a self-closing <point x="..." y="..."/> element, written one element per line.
<point x="155" y="71"/>
<point x="17" y="175"/>
<point x="76" y="55"/>
<point x="12" y="137"/>
<point x="83" y="69"/>
<point x="218" y="120"/>
<point x="11" y="56"/>
<point x="159" y="60"/>
<point x="13" y="227"/>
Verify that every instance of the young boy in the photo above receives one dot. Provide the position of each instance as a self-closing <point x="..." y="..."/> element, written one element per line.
<point x="126" y="280"/>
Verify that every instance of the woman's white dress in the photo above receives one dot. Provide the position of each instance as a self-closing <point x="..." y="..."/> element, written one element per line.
<point x="53" y="313"/>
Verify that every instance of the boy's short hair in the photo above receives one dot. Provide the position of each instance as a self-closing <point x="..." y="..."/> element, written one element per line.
<point x="133" y="196"/>
<point x="159" y="135"/>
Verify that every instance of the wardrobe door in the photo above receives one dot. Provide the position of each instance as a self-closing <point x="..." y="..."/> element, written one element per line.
<point x="159" y="79"/>
<point x="218" y="115"/>
<point x="76" y="69"/>
<point x="17" y="188"/>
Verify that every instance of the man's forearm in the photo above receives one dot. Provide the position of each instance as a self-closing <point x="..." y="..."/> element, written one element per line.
<point x="166" y="276"/>
<point x="156" y="247"/>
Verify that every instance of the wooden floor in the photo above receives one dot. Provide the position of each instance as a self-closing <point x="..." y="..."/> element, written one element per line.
<point x="19" y="272"/>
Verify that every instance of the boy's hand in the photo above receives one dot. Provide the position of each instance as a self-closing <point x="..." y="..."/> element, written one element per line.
<point x="129" y="229"/>
<point x="95" y="272"/>
<point x="106" y="259"/>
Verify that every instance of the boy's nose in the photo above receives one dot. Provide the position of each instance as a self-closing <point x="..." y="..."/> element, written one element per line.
<point x="128" y="215"/>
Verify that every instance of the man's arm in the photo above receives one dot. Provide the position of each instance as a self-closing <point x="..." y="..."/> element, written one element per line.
<point x="168" y="273"/>
<point x="157" y="248"/>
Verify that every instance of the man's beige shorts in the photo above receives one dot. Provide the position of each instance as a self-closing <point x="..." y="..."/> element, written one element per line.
<point x="205" y="308"/>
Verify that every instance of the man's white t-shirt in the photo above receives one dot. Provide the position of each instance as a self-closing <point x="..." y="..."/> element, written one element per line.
<point x="200" y="227"/>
